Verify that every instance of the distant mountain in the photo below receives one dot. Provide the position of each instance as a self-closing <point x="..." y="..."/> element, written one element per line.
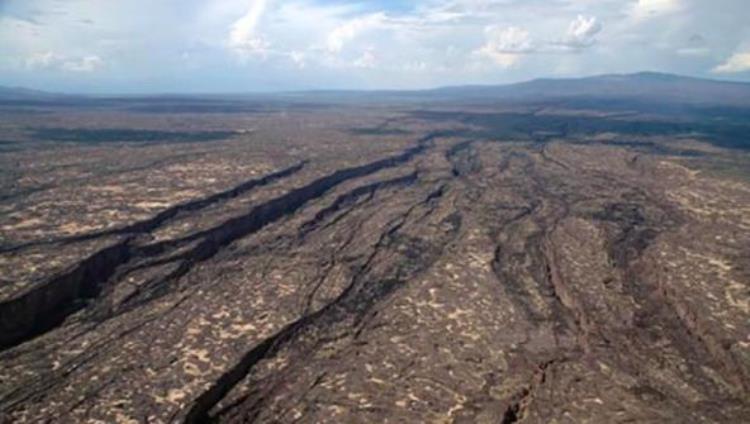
<point x="645" y="86"/>
<point x="21" y="93"/>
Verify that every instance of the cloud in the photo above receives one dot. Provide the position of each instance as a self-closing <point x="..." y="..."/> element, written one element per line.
<point x="739" y="62"/>
<point x="582" y="32"/>
<point x="366" y="60"/>
<point x="298" y="58"/>
<point x="43" y="60"/>
<point x="337" y="43"/>
<point x="509" y="40"/>
<point x="89" y="63"/>
<point x="351" y="29"/>
<point x="647" y="9"/>
<point x="52" y="61"/>
<point x="243" y="39"/>
<point x="505" y="46"/>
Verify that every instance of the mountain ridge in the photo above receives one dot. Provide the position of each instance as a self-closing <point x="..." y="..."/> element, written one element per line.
<point x="647" y="86"/>
<point x="649" y="76"/>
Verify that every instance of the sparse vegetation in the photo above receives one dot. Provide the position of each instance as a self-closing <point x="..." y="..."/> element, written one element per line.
<point x="123" y="135"/>
<point x="329" y="259"/>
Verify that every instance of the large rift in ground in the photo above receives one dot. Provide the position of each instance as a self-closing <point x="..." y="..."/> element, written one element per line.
<point x="456" y="279"/>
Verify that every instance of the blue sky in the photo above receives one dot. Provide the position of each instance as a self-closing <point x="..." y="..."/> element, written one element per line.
<point x="138" y="46"/>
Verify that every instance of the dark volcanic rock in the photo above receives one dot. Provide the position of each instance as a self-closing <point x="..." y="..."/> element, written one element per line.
<point x="422" y="277"/>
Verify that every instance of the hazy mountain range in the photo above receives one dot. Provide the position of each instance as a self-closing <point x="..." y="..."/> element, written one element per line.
<point x="644" y="86"/>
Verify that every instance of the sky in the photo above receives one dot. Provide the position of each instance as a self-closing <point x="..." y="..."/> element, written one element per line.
<point x="190" y="46"/>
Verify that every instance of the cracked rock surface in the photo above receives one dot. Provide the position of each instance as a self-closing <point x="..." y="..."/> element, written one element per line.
<point x="441" y="276"/>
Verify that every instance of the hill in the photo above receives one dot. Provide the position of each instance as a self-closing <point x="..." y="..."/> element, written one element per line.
<point x="644" y="86"/>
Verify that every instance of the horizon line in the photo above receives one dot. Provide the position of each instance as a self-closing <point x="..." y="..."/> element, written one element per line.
<point x="115" y="94"/>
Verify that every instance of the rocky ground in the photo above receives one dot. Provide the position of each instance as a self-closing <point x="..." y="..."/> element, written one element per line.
<point x="302" y="271"/>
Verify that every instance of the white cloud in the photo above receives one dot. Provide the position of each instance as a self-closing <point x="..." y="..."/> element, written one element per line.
<point x="366" y="60"/>
<point x="739" y="62"/>
<point x="351" y="29"/>
<point x="298" y="58"/>
<point x="510" y="40"/>
<point x="243" y="37"/>
<point x="504" y="46"/>
<point x="582" y="32"/>
<point x="401" y="44"/>
<point x="89" y="63"/>
<point x="416" y="66"/>
<point x="646" y="9"/>
<point x="52" y="61"/>
<point x="42" y="60"/>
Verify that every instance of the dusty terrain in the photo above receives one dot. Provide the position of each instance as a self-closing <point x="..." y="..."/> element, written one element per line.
<point x="370" y="264"/>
